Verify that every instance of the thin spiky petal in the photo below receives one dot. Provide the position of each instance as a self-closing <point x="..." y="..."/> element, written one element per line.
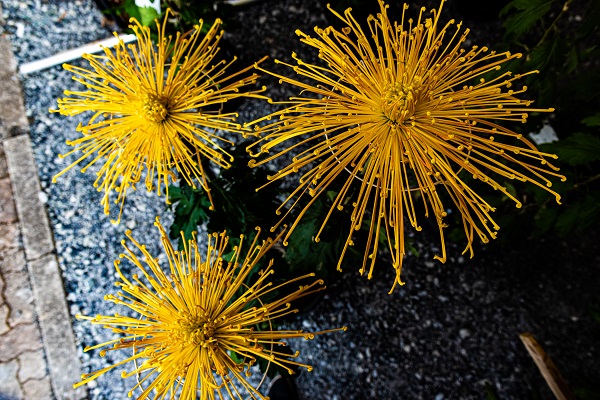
<point x="156" y="108"/>
<point x="190" y="317"/>
<point x="395" y="111"/>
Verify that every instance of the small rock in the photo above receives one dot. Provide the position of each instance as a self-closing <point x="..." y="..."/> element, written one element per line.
<point x="43" y="197"/>
<point x="20" y="30"/>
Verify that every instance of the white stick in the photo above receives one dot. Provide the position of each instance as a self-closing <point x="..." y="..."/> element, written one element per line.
<point x="238" y="2"/>
<point x="73" y="54"/>
<point x="91" y="48"/>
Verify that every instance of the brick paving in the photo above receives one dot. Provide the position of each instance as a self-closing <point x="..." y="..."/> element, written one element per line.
<point x="23" y="369"/>
<point x="38" y="358"/>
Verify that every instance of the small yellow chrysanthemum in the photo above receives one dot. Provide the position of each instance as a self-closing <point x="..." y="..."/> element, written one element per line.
<point x="193" y="318"/>
<point x="401" y="112"/>
<point x="155" y="108"/>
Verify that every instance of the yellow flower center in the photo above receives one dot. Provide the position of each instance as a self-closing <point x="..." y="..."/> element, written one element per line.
<point x="399" y="100"/>
<point x="196" y="330"/>
<point x="154" y="108"/>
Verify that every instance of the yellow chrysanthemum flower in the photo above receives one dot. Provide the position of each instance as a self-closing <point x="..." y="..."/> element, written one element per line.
<point x="400" y="112"/>
<point x="155" y="108"/>
<point x="192" y="319"/>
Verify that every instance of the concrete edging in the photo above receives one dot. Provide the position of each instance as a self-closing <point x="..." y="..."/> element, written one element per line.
<point x="44" y="272"/>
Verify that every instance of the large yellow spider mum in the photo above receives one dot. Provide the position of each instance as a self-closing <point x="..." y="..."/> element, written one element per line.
<point x="191" y="319"/>
<point x="155" y="108"/>
<point x="399" y="113"/>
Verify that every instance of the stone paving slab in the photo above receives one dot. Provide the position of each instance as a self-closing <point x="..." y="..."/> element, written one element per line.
<point x="3" y="166"/>
<point x="38" y="356"/>
<point x="7" y="206"/>
<point x="55" y="321"/>
<point x="11" y="389"/>
<point x="13" y="121"/>
<point x="35" y="227"/>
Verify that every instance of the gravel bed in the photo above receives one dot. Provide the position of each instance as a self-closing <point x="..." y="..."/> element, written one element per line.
<point x="447" y="333"/>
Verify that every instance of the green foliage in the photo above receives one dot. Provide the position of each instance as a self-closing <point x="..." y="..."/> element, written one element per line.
<point x="490" y="392"/>
<point x="593" y="120"/>
<point x="579" y="217"/>
<point x="304" y="253"/>
<point x="547" y="53"/>
<point x="595" y="312"/>
<point x="187" y="13"/>
<point x="559" y="48"/>
<point x="578" y="149"/>
<point x="523" y="16"/>
<point x="240" y="208"/>
<point x="190" y="11"/>
<point x="559" y="39"/>
<point x="128" y="9"/>
<point x="191" y="211"/>
<point x="146" y="15"/>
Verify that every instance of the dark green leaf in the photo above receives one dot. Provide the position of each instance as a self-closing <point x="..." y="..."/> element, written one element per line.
<point x="510" y="188"/>
<point x="132" y="9"/>
<point x="579" y="216"/>
<point x="235" y="357"/>
<point x="191" y="210"/>
<point x="572" y="59"/>
<point x="542" y="55"/>
<point x="526" y="14"/>
<point x="175" y="194"/>
<point x="591" y="20"/>
<point x="410" y="248"/>
<point x="545" y="219"/>
<point x="304" y="253"/>
<point x="595" y="314"/>
<point x="147" y="15"/>
<point x="580" y="148"/>
<point x="594" y="120"/>
<point x="490" y="392"/>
